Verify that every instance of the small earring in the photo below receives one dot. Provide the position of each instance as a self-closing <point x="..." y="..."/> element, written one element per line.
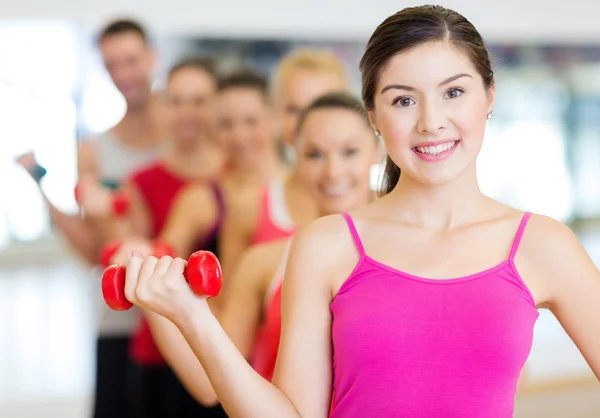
<point x="378" y="134"/>
<point x="489" y="116"/>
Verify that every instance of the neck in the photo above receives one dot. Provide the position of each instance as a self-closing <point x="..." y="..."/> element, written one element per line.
<point x="270" y="167"/>
<point x="438" y="207"/>
<point x="143" y="109"/>
<point x="294" y="178"/>
<point x="370" y="196"/>
<point x="141" y="125"/>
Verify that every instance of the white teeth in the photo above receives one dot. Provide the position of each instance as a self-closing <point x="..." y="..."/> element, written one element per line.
<point x="434" y="150"/>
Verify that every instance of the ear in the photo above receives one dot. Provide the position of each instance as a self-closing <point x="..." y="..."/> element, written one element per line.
<point x="372" y="119"/>
<point x="491" y="93"/>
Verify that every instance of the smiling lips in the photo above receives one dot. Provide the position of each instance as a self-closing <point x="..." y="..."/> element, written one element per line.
<point x="335" y="191"/>
<point x="435" y="151"/>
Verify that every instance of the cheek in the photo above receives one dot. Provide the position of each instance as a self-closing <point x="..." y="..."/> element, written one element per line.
<point x="310" y="172"/>
<point x="471" y="127"/>
<point x="261" y="135"/>
<point x="397" y="127"/>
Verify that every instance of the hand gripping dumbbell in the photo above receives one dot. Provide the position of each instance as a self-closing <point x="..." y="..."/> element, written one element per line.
<point x="119" y="201"/>
<point x="203" y="274"/>
<point x="28" y="162"/>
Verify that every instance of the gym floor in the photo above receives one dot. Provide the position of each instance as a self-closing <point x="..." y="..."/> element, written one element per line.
<point x="47" y="342"/>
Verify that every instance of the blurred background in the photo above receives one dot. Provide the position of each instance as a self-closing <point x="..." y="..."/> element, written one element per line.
<point x="542" y="154"/>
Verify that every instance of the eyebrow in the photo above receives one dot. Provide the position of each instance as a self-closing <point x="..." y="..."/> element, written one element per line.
<point x="409" y="88"/>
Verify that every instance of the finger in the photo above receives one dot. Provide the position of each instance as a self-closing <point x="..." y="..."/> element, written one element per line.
<point x="177" y="267"/>
<point x="132" y="274"/>
<point x="123" y="255"/>
<point x="147" y="270"/>
<point x="174" y="275"/>
<point x="162" y="267"/>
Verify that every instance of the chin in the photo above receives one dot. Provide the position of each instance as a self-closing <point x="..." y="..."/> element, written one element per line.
<point x="440" y="177"/>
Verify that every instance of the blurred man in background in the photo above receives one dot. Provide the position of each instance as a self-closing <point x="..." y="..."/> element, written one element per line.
<point x="104" y="162"/>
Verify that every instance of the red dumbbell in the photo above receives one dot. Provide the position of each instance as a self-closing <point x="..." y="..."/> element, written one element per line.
<point x="120" y="201"/>
<point x="203" y="274"/>
<point x="108" y="252"/>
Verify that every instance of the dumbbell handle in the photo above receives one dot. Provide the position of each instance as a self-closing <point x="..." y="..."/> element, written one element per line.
<point x="203" y="274"/>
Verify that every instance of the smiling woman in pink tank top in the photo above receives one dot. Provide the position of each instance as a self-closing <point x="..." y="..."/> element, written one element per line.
<point x="423" y="303"/>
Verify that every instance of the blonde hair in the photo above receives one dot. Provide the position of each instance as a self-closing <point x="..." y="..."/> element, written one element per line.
<point x="309" y="59"/>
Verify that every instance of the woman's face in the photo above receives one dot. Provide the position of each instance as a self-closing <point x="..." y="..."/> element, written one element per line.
<point x="336" y="149"/>
<point x="191" y="110"/>
<point x="431" y="108"/>
<point x="300" y="89"/>
<point x="245" y="125"/>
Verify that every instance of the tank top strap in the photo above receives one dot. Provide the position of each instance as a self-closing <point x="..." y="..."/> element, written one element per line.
<point x="517" y="240"/>
<point x="219" y="198"/>
<point x="355" y="236"/>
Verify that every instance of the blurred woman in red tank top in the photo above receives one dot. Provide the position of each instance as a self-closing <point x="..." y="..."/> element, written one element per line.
<point x="192" y="155"/>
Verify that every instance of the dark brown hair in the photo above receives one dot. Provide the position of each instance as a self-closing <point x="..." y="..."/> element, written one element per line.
<point x="336" y="100"/>
<point x="197" y="63"/>
<point x="407" y="29"/>
<point x="247" y="79"/>
<point x="121" y="26"/>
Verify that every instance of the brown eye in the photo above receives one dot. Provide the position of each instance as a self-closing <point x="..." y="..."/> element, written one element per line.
<point x="403" y="101"/>
<point x="453" y="93"/>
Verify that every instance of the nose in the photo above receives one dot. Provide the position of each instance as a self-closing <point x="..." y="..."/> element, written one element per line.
<point x="432" y="119"/>
<point x="187" y="111"/>
<point x="334" y="168"/>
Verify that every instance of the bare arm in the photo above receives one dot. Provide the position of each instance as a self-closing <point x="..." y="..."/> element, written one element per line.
<point x="238" y="226"/>
<point x="79" y="232"/>
<point x="571" y="282"/>
<point x="240" y="320"/>
<point x="137" y="223"/>
<point x="192" y="215"/>
<point x="302" y="384"/>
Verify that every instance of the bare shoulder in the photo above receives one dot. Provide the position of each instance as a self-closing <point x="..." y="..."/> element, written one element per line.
<point x="239" y="196"/>
<point x="550" y="256"/>
<point x="547" y="238"/>
<point x="323" y="250"/>
<point x="243" y="206"/>
<point x="195" y="193"/>
<point x="263" y="260"/>
<point x="265" y="256"/>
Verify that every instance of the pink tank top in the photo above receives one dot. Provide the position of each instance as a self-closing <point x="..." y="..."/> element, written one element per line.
<point x="407" y="346"/>
<point x="274" y="220"/>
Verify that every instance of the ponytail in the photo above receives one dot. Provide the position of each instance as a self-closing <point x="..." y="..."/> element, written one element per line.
<point x="391" y="176"/>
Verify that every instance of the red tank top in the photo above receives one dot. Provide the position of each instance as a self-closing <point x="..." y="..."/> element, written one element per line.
<point x="265" y="349"/>
<point x="159" y="187"/>
<point x="272" y="200"/>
